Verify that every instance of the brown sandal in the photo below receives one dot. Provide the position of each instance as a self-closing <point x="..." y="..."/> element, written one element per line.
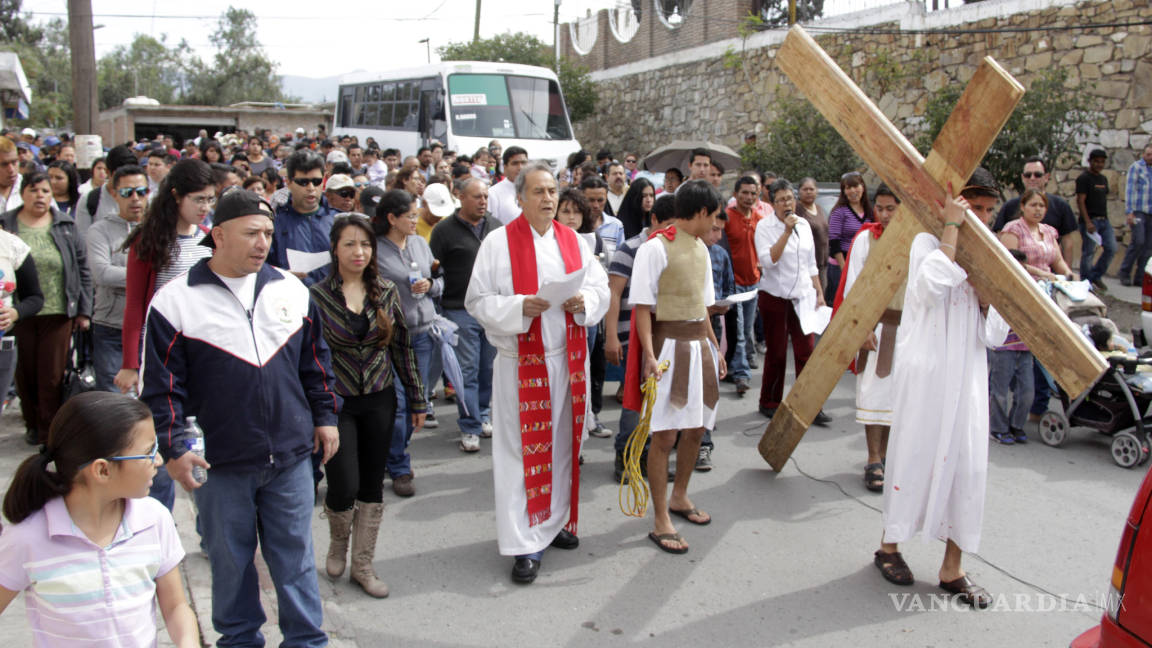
<point x="969" y="593"/>
<point x="894" y="569"/>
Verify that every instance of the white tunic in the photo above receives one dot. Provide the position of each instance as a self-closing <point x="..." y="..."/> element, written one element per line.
<point x="493" y="302"/>
<point x="938" y="449"/>
<point x="873" y="393"/>
<point x="651" y="259"/>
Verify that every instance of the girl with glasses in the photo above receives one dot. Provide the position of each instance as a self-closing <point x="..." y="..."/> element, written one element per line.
<point x="79" y="507"/>
<point x="165" y="245"/>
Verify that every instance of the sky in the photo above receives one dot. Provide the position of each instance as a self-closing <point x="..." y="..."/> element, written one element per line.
<point x="297" y="34"/>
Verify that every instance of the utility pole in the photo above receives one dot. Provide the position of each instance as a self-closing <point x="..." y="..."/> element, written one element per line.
<point x="791" y="12"/>
<point x="476" y="28"/>
<point x="83" y="45"/>
<point x="556" y="32"/>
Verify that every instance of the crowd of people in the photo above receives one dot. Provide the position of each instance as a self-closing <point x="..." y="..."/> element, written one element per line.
<point x="321" y="294"/>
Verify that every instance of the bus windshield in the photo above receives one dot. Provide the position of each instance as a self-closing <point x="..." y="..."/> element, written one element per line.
<point x="499" y="105"/>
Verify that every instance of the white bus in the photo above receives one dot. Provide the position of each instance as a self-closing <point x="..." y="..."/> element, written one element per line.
<point x="463" y="104"/>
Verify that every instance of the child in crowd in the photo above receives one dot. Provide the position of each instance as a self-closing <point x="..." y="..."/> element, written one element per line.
<point x="92" y="552"/>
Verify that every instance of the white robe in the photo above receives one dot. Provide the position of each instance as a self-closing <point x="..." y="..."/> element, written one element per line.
<point x="493" y="302"/>
<point x="938" y="448"/>
<point x="873" y="393"/>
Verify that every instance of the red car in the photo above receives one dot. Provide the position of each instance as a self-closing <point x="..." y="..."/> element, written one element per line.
<point x="1128" y="619"/>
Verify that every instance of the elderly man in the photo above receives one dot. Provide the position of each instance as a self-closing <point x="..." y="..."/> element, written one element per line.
<point x="617" y="179"/>
<point x="1138" y="208"/>
<point x="455" y="242"/>
<point x="539" y="389"/>
<point x="1059" y="215"/>
<point x="237" y="343"/>
<point x="502" y="195"/>
<point x="341" y="193"/>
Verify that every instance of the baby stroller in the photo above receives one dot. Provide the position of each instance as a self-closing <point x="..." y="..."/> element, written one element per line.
<point x="1116" y="405"/>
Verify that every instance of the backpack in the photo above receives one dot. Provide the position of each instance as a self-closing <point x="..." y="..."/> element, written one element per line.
<point x="93" y="202"/>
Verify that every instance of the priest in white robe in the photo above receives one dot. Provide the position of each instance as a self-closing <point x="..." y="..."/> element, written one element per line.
<point x="938" y="449"/>
<point x="536" y="496"/>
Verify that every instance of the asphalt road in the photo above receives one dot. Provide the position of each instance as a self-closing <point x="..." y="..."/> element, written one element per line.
<point x="786" y="561"/>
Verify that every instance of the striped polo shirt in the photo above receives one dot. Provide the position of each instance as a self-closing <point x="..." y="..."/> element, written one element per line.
<point x="79" y="594"/>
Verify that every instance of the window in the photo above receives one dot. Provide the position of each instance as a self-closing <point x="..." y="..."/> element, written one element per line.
<point x="495" y="105"/>
<point x="673" y="12"/>
<point x="383" y="104"/>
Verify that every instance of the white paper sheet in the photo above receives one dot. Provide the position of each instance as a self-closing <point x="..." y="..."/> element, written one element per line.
<point x="558" y="292"/>
<point x="307" y="261"/>
<point x="737" y="298"/>
<point x="813" y="318"/>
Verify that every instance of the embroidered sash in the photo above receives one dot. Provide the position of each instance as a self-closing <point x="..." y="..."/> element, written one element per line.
<point x="532" y="373"/>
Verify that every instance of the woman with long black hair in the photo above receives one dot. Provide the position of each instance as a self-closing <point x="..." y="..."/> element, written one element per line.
<point x="636" y="208"/>
<point x="368" y="335"/>
<point x="65" y="184"/>
<point x="164" y="245"/>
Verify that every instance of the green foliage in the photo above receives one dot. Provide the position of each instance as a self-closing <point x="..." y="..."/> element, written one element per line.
<point x="576" y="83"/>
<point x="799" y="143"/>
<point x="1047" y="122"/>
<point x="46" y="58"/>
<point x="146" y="67"/>
<point x="774" y="13"/>
<point x="240" y="70"/>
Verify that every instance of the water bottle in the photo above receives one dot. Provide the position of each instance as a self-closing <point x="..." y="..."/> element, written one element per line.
<point x="413" y="277"/>
<point x="195" y="444"/>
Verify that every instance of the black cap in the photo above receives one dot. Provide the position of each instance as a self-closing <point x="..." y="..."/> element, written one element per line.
<point x="235" y="203"/>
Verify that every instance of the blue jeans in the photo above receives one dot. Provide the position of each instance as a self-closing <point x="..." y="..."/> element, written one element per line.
<point x="105" y="356"/>
<point x="476" y="356"/>
<point x="399" y="461"/>
<point x="1041" y="388"/>
<point x="745" y="338"/>
<point x="1009" y="379"/>
<point x="272" y="508"/>
<point x="1139" y="248"/>
<point x="1088" y="249"/>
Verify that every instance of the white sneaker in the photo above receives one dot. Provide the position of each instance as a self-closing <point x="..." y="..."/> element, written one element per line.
<point x="430" y="421"/>
<point x="486" y="430"/>
<point x="469" y="442"/>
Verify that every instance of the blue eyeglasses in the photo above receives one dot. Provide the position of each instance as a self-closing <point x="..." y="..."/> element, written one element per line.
<point x="151" y="456"/>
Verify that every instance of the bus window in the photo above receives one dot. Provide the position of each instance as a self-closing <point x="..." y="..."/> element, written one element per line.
<point x="537" y="108"/>
<point x="480" y="106"/>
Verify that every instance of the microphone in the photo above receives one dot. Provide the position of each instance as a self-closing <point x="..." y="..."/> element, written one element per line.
<point x="791" y="212"/>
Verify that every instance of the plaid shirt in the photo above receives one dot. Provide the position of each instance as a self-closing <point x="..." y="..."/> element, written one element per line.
<point x="1138" y="192"/>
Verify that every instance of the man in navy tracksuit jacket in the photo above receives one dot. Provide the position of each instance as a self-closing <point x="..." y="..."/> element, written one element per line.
<point x="236" y="343"/>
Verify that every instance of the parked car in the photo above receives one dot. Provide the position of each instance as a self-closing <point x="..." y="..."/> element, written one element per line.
<point x="1127" y="621"/>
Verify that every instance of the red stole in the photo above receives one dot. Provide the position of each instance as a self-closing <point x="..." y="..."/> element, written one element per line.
<point x="532" y="372"/>
<point x="876" y="229"/>
<point x="634" y="365"/>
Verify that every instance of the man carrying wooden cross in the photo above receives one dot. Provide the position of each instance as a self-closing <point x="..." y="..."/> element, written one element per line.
<point x="938" y="448"/>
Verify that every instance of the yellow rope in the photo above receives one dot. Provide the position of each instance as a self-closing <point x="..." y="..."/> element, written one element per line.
<point x="633" y="488"/>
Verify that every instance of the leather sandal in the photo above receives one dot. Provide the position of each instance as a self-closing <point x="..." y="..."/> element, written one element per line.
<point x="968" y="592"/>
<point x="874" y="477"/>
<point x="893" y="568"/>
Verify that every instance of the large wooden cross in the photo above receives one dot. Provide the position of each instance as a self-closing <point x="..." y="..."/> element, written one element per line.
<point x="985" y="106"/>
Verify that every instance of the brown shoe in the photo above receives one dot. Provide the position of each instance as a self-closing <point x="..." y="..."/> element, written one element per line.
<point x="402" y="486"/>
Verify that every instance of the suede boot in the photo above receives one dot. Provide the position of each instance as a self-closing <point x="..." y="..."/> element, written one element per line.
<point x="365" y="529"/>
<point x="339" y="529"/>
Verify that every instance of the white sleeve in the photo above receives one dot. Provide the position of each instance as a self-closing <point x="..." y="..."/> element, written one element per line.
<point x="597" y="297"/>
<point x="498" y="314"/>
<point x="765" y="238"/>
<point x="651" y="259"/>
<point x="857" y="255"/>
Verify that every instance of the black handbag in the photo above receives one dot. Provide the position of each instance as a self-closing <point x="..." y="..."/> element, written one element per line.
<point x="77" y="379"/>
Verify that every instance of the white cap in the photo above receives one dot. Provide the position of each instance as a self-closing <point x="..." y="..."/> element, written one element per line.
<point x="29" y="132"/>
<point x="439" y="200"/>
<point x="299" y="130"/>
<point x="336" y="156"/>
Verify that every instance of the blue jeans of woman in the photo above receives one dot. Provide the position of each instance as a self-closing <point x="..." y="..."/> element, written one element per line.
<point x="399" y="462"/>
<point x="1009" y="390"/>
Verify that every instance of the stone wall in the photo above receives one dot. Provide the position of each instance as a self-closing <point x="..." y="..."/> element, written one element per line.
<point x="692" y="94"/>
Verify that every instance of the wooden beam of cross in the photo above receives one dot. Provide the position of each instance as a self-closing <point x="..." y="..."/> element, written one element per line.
<point x="982" y="111"/>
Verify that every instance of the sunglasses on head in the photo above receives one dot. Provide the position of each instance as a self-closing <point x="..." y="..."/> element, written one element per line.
<point x="347" y="192"/>
<point x="1033" y="174"/>
<point x="304" y="182"/>
<point x="126" y="192"/>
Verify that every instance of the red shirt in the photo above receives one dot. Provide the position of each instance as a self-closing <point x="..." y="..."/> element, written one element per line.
<point x="741" y="234"/>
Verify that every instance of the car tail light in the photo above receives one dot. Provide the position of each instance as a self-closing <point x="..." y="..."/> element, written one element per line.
<point x="1120" y="569"/>
<point x="1146" y="292"/>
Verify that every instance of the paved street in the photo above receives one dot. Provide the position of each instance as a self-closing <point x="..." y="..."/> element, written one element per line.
<point x="786" y="561"/>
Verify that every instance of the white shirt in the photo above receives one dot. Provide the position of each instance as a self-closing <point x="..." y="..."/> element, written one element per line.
<point x="651" y="259"/>
<point x="791" y="275"/>
<point x="502" y="201"/>
<point x="615" y="201"/>
<point x="243" y="287"/>
<point x="14" y="199"/>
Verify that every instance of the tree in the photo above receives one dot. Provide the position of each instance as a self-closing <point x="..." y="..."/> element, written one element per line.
<point x="46" y="58"/>
<point x="146" y="67"/>
<point x="576" y="83"/>
<point x="774" y="13"/>
<point x="800" y="143"/>
<point x="240" y="71"/>
<point x="1048" y="122"/>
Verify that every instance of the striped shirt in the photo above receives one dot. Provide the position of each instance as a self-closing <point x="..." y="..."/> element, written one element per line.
<point x="1138" y="188"/>
<point x="79" y="594"/>
<point x="621" y="266"/>
<point x="188" y="251"/>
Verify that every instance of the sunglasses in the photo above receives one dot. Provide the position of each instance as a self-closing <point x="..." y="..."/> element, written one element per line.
<point x="1033" y="174"/>
<point x="360" y="185"/>
<point x="304" y="182"/>
<point x="629" y="161"/>
<point x="346" y="193"/>
<point x="126" y="192"/>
